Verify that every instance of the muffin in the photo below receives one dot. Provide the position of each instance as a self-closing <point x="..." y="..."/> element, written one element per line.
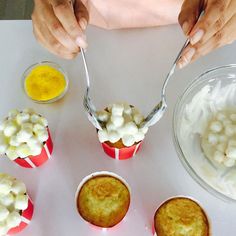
<point x="103" y="200"/>
<point x="16" y="208"/>
<point x="25" y="138"/>
<point x="181" y="217"/>
<point x="121" y="136"/>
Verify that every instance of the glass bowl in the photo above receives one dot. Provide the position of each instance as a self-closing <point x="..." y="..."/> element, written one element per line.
<point x="53" y="65"/>
<point x="213" y="91"/>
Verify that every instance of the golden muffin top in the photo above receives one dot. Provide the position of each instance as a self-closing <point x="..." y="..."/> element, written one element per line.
<point x="181" y="217"/>
<point x="103" y="201"/>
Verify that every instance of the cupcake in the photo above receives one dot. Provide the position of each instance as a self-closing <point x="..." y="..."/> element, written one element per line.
<point x="181" y="216"/>
<point x="16" y="208"/>
<point x="121" y="136"/>
<point x="103" y="199"/>
<point x="25" y="138"/>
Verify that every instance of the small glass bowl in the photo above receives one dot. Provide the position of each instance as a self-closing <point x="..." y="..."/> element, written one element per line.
<point x="216" y="179"/>
<point x="55" y="66"/>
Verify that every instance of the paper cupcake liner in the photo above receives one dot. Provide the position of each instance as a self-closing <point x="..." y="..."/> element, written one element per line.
<point x="36" y="161"/>
<point x="180" y="196"/>
<point x="121" y="153"/>
<point x="85" y="179"/>
<point x="26" y="217"/>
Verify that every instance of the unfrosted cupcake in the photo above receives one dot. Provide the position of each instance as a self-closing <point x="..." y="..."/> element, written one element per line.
<point x="25" y="138"/>
<point x="103" y="199"/>
<point x="16" y="208"/>
<point x="121" y="138"/>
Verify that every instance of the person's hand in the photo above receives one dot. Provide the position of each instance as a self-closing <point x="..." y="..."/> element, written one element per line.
<point x="215" y="28"/>
<point x="59" y="27"/>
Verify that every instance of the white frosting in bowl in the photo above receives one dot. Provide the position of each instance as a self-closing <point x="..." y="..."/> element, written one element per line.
<point x="13" y="200"/>
<point x="193" y="122"/>
<point x="121" y="123"/>
<point x="22" y="134"/>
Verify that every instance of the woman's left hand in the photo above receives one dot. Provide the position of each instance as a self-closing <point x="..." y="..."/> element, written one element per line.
<point x="215" y="28"/>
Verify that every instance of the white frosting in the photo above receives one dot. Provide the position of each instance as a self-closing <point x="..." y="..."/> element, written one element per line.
<point x="22" y="134"/>
<point x="122" y="122"/>
<point x="13" y="200"/>
<point x="205" y="123"/>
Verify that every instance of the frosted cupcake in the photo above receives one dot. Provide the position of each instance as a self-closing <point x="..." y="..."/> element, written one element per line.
<point x="25" y="138"/>
<point x="121" y="138"/>
<point x="16" y="208"/>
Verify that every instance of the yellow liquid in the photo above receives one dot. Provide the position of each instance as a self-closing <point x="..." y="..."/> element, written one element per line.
<point x="44" y="83"/>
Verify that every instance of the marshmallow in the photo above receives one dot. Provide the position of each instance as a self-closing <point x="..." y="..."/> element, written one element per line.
<point x="131" y="128"/>
<point x="42" y="135"/>
<point x="229" y="130"/>
<point x="27" y="125"/>
<point x="216" y="126"/>
<point x="12" y="153"/>
<point x="139" y="136"/>
<point x="221" y="147"/>
<point x="34" y="118"/>
<point x="23" y="150"/>
<point x="14" y="141"/>
<point x="212" y="138"/>
<point x="138" y="118"/>
<point x="233" y="117"/>
<point x="21" y="202"/>
<point x="36" y="149"/>
<point x="22" y="118"/>
<point x="6" y="200"/>
<point x="103" y="116"/>
<point x="110" y="126"/>
<point x="18" y="187"/>
<point x="117" y="109"/>
<point x="13" y="219"/>
<point x="118" y="121"/>
<point x="38" y="127"/>
<point x="3" y="212"/>
<point x="229" y="162"/>
<point x="3" y="144"/>
<point x="2" y="124"/>
<point x="24" y="135"/>
<point x="5" y="186"/>
<point x="128" y="140"/>
<point x="221" y="117"/>
<point x="43" y="121"/>
<point x="219" y="156"/>
<point x="102" y="136"/>
<point x="3" y="228"/>
<point x="13" y="113"/>
<point x="113" y="136"/>
<point x="127" y="109"/>
<point x="10" y="129"/>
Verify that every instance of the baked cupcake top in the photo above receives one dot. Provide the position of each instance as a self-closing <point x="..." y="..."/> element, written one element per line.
<point x="181" y="217"/>
<point x="103" y="201"/>
<point x="121" y="125"/>
<point x="13" y="200"/>
<point x="22" y="134"/>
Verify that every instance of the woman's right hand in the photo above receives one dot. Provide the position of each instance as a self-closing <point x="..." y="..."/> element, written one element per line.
<point x="59" y="26"/>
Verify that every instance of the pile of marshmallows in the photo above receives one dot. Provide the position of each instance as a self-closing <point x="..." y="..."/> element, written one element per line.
<point x="122" y="123"/>
<point x="221" y="136"/>
<point x="22" y="134"/>
<point x="13" y="200"/>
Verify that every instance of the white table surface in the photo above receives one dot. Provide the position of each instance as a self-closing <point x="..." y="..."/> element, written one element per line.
<point x="127" y="65"/>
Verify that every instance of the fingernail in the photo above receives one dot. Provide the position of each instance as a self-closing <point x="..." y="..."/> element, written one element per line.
<point x="186" y="58"/>
<point x="197" y="37"/>
<point x="83" y="23"/>
<point x="185" y="27"/>
<point x="81" y="42"/>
